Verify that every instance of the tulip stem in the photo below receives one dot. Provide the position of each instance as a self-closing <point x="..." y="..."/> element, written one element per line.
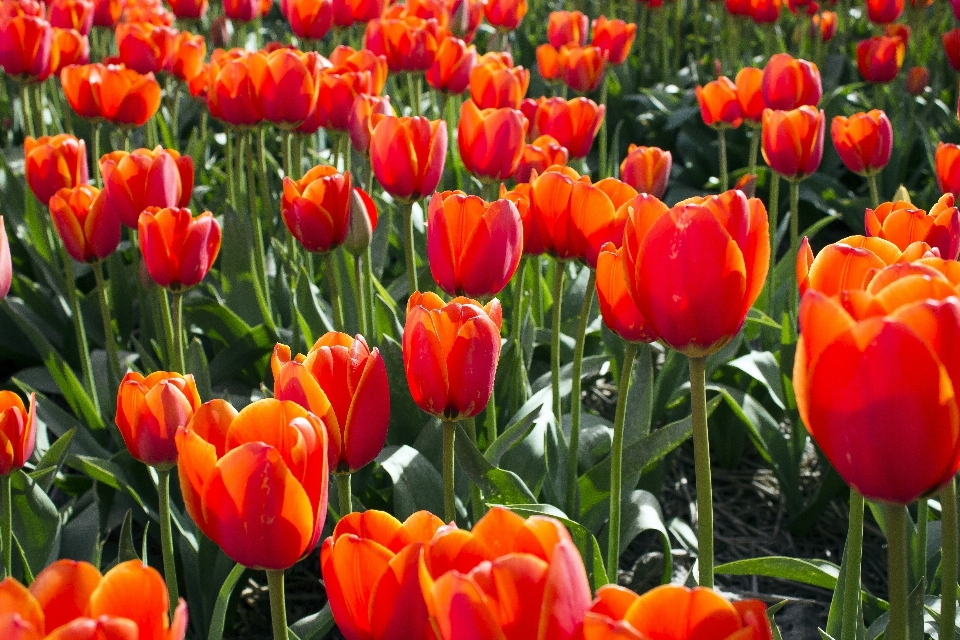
<point x="408" y="248"/>
<point x="177" y="347"/>
<point x="113" y="356"/>
<point x="98" y="179"/>
<point x="772" y="208"/>
<point x="852" y="560"/>
<point x="28" y="111"/>
<point x="874" y="192"/>
<point x="616" y="462"/>
<point x="490" y="416"/>
<point x="7" y="525"/>
<point x="722" y="144"/>
<point x="331" y="269"/>
<point x="79" y="328"/>
<point x="897" y="571"/>
<point x="259" y="260"/>
<point x="948" y="591"/>
<point x="414" y="95"/>
<point x="518" y="296"/>
<point x="920" y="551"/>
<point x="223" y="599"/>
<point x="167" y="319"/>
<point x="231" y="178"/>
<point x="449" y="490"/>
<point x="755" y="135"/>
<point x="701" y="454"/>
<point x="371" y="298"/>
<point x="575" y="400"/>
<point x="360" y="292"/>
<point x="794" y="239"/>
<point x="476" y="496"/>
<point x="604" y="90"/>
<point x="166" y="537"/>
<point x="537" y="293"/>
<point x="294" y="312"/>
<point x="555" y="342"/>
<point x="344" y="493"/>
<point x="278" y="605"/>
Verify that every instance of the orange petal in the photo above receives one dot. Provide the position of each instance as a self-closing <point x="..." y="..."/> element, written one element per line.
<point x="63" y="590"/>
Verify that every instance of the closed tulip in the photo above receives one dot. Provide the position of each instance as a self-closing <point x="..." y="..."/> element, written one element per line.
<point x="574" y="123"/>
<point x="673" y="612"/>
<point x="6" y="263"/>
<point x="287" y="85"/>
<point x="384" y="600"/>
<point x="879" y="58"/>
<point x="72" y="48"/>
<point x="145" y="48"/>
<point x="520" y="196"/>
<point x="89" y="229"/>
<point x="13" y="8"/>
<point x="55" y="162"/>
<point x="363" y="222"/>
<point x="111" y="92"/>
<point x="951" y="47"/>
<point x="360" y="121"/>
<point x="473" y="246"/>
<point x="548" y="62"/>
<point x="847" y="264"/>
<point x="617" y="308"/>
<point x="177" y="248"/>
<point x="789" y="83"/>
<point x="310" y="19"/>
<point x="408" y="43"/>
<point x="903" y="224"/>
<point x="748" y="83"/>
<point x="187" y="64"/>
<point x="345" y="59"/>
<point x="538" y="156"/>
<point x="863" y="141"/>
<point x="144" y="178"/>
<point x="365" y="10"/>
<point x="582" y="68"/>
<point x="496" y="84"/>
<point x="884" y="11"/>
<point x="316" y="208"/>
<point x="18" y="431"/>
<point x="615" y="38"/>
<point x="647" y="169"/>
<point x="918" y="79"/>
<point x="505" y="15"/>
<point x="189" y="9"/>
<point x="106" y="13"/>
<point x="149" y="412"/>
<point x="490" y="141"/>
<point x="824" y="25"/>
<point x="407" y="155"/>
<point x="452" y="67"/>
<point x="246" y="10"/>
<point x="71" y="14"/>
<point x="231" y="92"/>
<point x="450" y="353"/>
<point x="26" y="48"/>
<point x="947" y="165"/>
<point x="345" y="383"/>
<point x="567" y="27"/>
<point x="793" y="141"/>
<point x="255" y="482"/>
<point x="698" y="299"/>
<point x="765" y="11"/>
<point x="718" y="103"/>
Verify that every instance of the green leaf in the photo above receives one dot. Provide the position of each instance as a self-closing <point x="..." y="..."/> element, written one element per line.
<point x="762" y="366"/>
<point x="198" y="366"/>
<point x="771" y="612"/>
<point x="46" y="469"/>
<point x="314" y="626"/>
<point x="417" y="485"/>
<point x="127" y="550"/>
<point x="756" y="316"/>
<point x="817" y="573"/>
<point x="223" y="600"/>
<point x="36" y="522"/>
<point x="640" y="511"/>
<point x="518" y="430"/>
<point x="60" y="423"/>
<point x="498" y="485"/>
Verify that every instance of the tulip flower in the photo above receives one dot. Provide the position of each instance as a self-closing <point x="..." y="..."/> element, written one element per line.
<point x="748" y="83"/>
<point x="18" y="434"/>
<point x="951" y="47"/>
<point x="582" y="68"/>
<point x="310" y="19"/>
<point x="764" y="11"/>
<point x="491" y="141"/>
<point x="111" y="92"/>
<point x="344" y="60"/>
<point x="573" y="123"/>
<point x="149" y="412"/>
<point x="106" y="13"/>
<point x="673" y="611"/>
<point x="407" y="155"/>
<point x="26" y="48"/>
<point x="148" y="13"/>
<point x="385" y="600"/>
<point x="231" y="92"/>
<point x="189" y="9"/>
<point x="71" y="14"/>
<point x="339" y="90"/>
<point x="566" y="27"/>
<point x="286" y="85"/>
<point x="947" y="164"/>
<point x="316" y="208"/>
<point x="824" y="25"/>
<point x="902" y="224"/>
<point x="548" y="62"/>
<point x="451" y="69"/>
<point x="72" y="48"/>
<point x="363" y="222"/>
<point x="505" y="15"/>
<point x="187" y="63"/>
<point x="55" y="162"/>
<point x="918" y="79"/>
<point x="496" y="84"/>
<point x="6" y="263"/>
<point x="363" y="10"/>
<point x="89" y="229"/>
<point x="718" y="103"/>
<point x="879" y="58"/>
<point x="177" y="248"/>
<point x="647" y="169"/>
<point x="847" y="264"/>
<point x="789" y="83"/>
<point x="143" y="178"/>
<point x="884" y="11"/>
<point x="145" y="48"/>
<point x="360" y="121"/>
<point x="538" y="156"/>
<point x="615" y="38"/>
<point x="246" y="10"/>
<point x="408" y="43"/>
<point x="793" y="141"/>
<point x="863" y="141"/>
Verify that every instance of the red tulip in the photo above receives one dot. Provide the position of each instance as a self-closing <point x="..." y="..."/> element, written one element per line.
<point x="26" y="47"/>
<point x="360" y="122"/>
<point x="951" y="47"/>
<point x="72" y="48"/>
<point x="863" y="141"/>
<point x="947" y="164"/>
<point x="143" y="178"/>
<point x="18" y="432"/>
<point x="187" y="63"/>
<point x="52" y="163"/>
<point x="106" y="13"/>
<point x="615" y="37"/>
<point x="505" y="15"/>
<point x="490" y="141"/>
<point x="287" y="84"/>
<point x="824" y="25"/>
<point x="618" y="309"/>
<point x="71" y="14"/>
<point x="884" y="11"/>
<point x="112" y="92"/>
<point x="538" y="156"/>
<point x="339" y="90"/>
<point x="310" y="19"/>
<point x="902" y="224"/>
<point x="189" y="9"/>
<point x="918" y="79"/>
<point x="89" y="229"/>
<point x="789" y="83"/>
<point x="567" y="27"/>
<point x="582" y="68"/>
<point x="149" y="412"/>
<point x="574" y="123"/>
<point x="495" y="83"/>
<point x="880" y="58"/>
<point x="452" y="67"/>
<point x="718" y="103"/>
<point x="647" y="169"/>
<point x="793" y="141"/>
<point x="409" y="43"/>
<point x="145" y="48"/>
<point x="177" y="248"/>
<point x="548" y="62"/>
<point x="407" y="155"/>
<point x="316" y="208"/>
<point x="231" y="93"/>
<point x="246" y="10"/>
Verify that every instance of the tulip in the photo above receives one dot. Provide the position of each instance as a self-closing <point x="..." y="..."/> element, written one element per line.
<point x="789" y="83"/>
<point x="567" y="27"/>
<point x="947" y="164"/>
<point x="824" y="25"/>
<point x="145" y="48"/>
<point x="463" y="233"/>
<point x="143" y="178"/>
<point x="13" y="8"/>
<point x="112" y="92"/>
<point x="451" y="69"/>
<point x="360" y="122"/>
<point x="793" y="141"/>
<point x="573" y="123"/>
<point x="496" y="84"/>
<point x="310" y="19"/>
<point x="765" y="11"/>
<point x="718" y="103"/>
<point x="148" y="13"/>
<point x="71" y="14"/>
<point x="286" y="85"/>
<point x="231" y="92"/>
<point x="6" y="264"/>
<point x="847" y="264"/>
<point x="89" y="229"/>
<point x="366" y="10"/>
<point x="490" y="141"/>
<point x="582" y="68"/>
<point x="520" y="197"/>
<point x="647" y="169"/>
<point x="189" y="9"/>
<point x="347" y="60"/>
<point x="407" y="155"/>
<point x="548" y="62"/>
<point x="339" y="90"/>
<point x="149" y="412"/>
<point x="316" y="208"/>
<point x="902" y="224"/>
<point x="409" y="43"/>
<point x="749" y="94"/>
<point x="615" y="38"/>
<point x="951" y="47"/>
<point x="505" y="15"/>
<point x="26" y="47"/>
<point x="879" y="58"/>
<point x="673" y="611"/>
<point x="106" y="13"/>
<point x="884" y="11"/>
<point x="72" y="48"/>
<point x="465" y="18"/>
<point x="187" y="63"/>
<point x="538" y="156"/>
<point x="18" y="434"/>
<point x="385" y="599"/>
<point x="617" y="308"/>
<point x="55" y="162"/>
<point x="363" y="221"/>
<point x="863" y="141"/>
<point x="246" y="10"/>
<point x="736" y="7"/>
<point x="177" y="248"/>
<point x="918" y="79"/>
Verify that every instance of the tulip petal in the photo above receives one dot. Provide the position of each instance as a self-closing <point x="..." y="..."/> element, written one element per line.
<point x="135" y="592"/>
<point x="566" y="596"/>
<point x="397" y="609"/>
<point x="351" y="569"/>
<point x="63" y="590"/>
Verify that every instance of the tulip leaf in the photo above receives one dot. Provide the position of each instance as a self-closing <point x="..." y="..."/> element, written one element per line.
<point x="197" y="365"/>
<point x="771" y="612"/>
<point x="762" y="366"/>
<point x="498" y="485"/>
<point x="46" y="469"/>
<point x="36" y="522"/>
<point x="520" y="426"/>
<point x="314" y="626"/>
<point x="127" y="550"/>
<point x="249" y="354"/>
<point x="60" y="423"/>
<point x="223" y="600"/>
<point x="417" y="484"/>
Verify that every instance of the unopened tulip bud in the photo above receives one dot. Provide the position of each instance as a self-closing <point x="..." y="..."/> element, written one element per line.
<point x="363" y="220"/>
<point x="918" y="78"/>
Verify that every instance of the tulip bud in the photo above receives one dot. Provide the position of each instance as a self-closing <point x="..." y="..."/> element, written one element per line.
<point x="17" y="430"/>
<point x="792" y="141"/>
<point x="947" y="164"/>
<point x="53" y="163"/>
<point x="863" y="141"/>
<point x="89" y="229"/>
<point x="177" y="248"/>
<point x="918" y="79"/>
<point x="647" y="169"/>
<point x="879" y="58"/>
<point x="6" y="264"/>
<point x="363" y="220"/>
<point x="149" y="412"/>
<point x="220" y="32"/>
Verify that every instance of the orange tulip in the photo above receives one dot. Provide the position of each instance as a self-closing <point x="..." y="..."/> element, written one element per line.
<point x="582" y="68"/>
<point x="520" y="196"/>
<point x="409" y="43"/>
<point x="615" y="38"/>
<point x="187" y="63"/>
<point x="189" y="9"/>
<point x="548" y="62"/>
<point x="6" y="263"/>
<point x="951" y="47"/>
<point x="672" y="612"/>
<point x="884" y="11"/>
<point x="345" y="59"/>
<point x="473" y="246"/>
<point x="847" y="264"/>
<point x="231" y="93"/>
<point x="789" y="83"/>
<point x="567" y="27"/>
<point x="452" y="67"/>
<point x="177" y="248"/>
<point x="947" y="164"/>
<point x="619" y="312"/>
<point x="490" y="141"/>
<point x="52" y="163"/>
<point x="13" y="8"/>
<point x="718" y="103"/>
<point x="112" y="92"/>
<point x="537" y="156"/>
<point x="765" y="11"/>
<point x="698" y="299"/>
<point x="62" y="591"/>
<point x="143" y="178"/>
<point x="255" y="482"/>
<point x="496" y="84"/>
<point x="505" y="15"/>
<point x="90" y="230"/>
<point x="365" y="10"/>
<point x="450" y="353"/>
<point x="106" y="13"/>
<point x="902" y="224"/>
<point x="148" y="13"/>
<point x="18" y="431"/>
<point x="918" y="79"/>
<point x="287" y="84"/>
<point x="316" y="208"/>
<point x="863" y="141"/>
<point x="407" y="155"/>
<point x="145" y="48"/>
<point x="71" y="14"/>
<point x="246" y="10"/>
<point x="370" y="571"/>
<point x="360" y="122"/>
<point x="879" y="58"/>
<point x="342" y="84"/>
<point x="824" y="25"/>
<point x="310" y="19"/>
<point x="750" y="95"/>
<point x="26" y="48"/>
<point x="149" y="412"/>
<point x="792" y="142"/>
<point x="344" y="383"/>
<point x="72" y="48"/>
<point x="647" y="169"/>
<point x="574" y="123"/>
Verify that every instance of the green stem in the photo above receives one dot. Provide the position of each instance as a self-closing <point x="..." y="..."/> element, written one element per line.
<point x="7" y="525"/>
<point x="360" y="293"/>
<point x="722" y="138"/>
<point x="258" y="253"/>
<point x="616" y="462"/>
<point x="98" y="179"/>
<point x="755" y="135"/>
<point x="371" y="297"/>
<point x="555" y="341"/>
<point x="477" y="507"/>
<point x="604" y="90"/>
<point x="412" y="96"/>
<point x="332" y="282"/>
<point x="490" y="417"/>
<point x="518" y="302"/>
<point x="664" y="42"/>
<point x="278" y="605"/>
<point x="575" y="400"/>
<point x="701" y="453"/>
<point x="294" y="313"/>
<point x="177" y="312"/>
<point x="176" y="114"/>
<point x="772" y="208"/>
<point x="874" y="191"/>
<point x="449" y="490"/>
<point x="38" y="118"/>
<point x="537" y="293"/>
<point x="409" y="250"/>
<point x="451" y="116"/>
<point x="344" y="493"/>
<point x="794" y="239"/>
<point x="113" y="355"/>
<point x="920" y="552"/>
<point x="897" y="571"/>
<point x="79" y="328"/>
<point x="166" y="537"/>
<point x="854" y="551"/>
<point x="168" y="333"/>
<point x="28" y="110"/>
<point x="948" y="522"/>
<point x="231" y="178"/>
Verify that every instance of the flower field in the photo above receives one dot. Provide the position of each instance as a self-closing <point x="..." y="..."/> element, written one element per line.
<point x="463" y="319"/>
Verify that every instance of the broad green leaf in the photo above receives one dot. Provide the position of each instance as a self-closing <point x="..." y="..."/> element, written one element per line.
<point x="498" y="485"/>
<point x="417" y="485"/>
<point x="314" y="626"/>
<point x="762" y="366"/>
<point x="36" y="522"/>
<point x="49" y="464"/>
<point x="817" y="573"/>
